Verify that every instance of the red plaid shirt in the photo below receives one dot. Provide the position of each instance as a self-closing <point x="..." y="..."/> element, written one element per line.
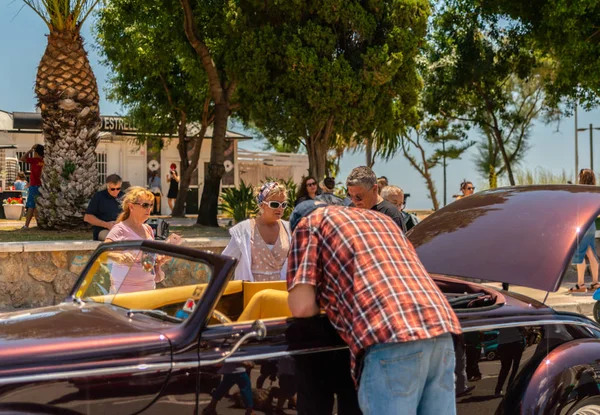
<point x="368" y="279"/>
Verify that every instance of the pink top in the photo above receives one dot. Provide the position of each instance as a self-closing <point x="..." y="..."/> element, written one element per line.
<point x="126" y="278"/>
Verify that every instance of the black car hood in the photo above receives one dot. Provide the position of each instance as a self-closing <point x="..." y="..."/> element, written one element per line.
<point x="524" y="235"/>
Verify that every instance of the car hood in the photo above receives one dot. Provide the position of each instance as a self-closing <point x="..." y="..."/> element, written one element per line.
<point x="524" y="235"/>
<point x="70" y="334"/>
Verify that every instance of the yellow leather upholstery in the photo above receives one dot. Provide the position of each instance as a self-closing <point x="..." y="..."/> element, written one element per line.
<point x="150" y="300"/>
<point x="267" y="303"/>
<point x="251" y="288"/>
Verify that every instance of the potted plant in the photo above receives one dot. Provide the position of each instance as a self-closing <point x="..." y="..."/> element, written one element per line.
<point x="13" y="208"/>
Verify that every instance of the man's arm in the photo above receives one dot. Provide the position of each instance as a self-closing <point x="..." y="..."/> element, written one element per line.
<point x="302" y="301"/>
<point x="93" y="220"/>
<point x="26" y="156"/>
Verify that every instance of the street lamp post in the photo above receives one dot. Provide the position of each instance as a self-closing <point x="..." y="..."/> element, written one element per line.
<point x="591" y="130"/>
<point x="576" y="147"/>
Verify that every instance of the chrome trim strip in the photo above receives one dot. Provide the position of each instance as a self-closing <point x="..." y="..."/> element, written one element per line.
<point x="529" y="323"/>
<point x="276" y="354"/>
<point x="87" y="373"/>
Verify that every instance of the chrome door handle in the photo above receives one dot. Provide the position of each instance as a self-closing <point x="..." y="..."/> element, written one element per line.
<point x="259" y="332"/>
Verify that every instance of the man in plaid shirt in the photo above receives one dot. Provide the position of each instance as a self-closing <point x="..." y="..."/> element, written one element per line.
<point x="357" y="266"/>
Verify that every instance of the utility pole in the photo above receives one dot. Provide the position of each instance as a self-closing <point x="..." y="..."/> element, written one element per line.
<point x="591" y="148"/>
<point x="591" y="130"/>
<point x="576" y="147"/>
<point x="444" y="166"/>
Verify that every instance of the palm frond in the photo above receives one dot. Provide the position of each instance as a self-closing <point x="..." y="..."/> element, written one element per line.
<point x="62" y="14"/>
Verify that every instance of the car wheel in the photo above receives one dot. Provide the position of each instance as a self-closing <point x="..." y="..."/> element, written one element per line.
<point x="490" y="355"/>
<point x="597" y="311"/>
<point x="587" y="406"/>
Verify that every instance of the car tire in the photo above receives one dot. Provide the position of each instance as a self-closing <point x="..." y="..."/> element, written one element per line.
<point x="587" y="406"/>
<point x="490" y="355"/>
<point x="596" y="311"/>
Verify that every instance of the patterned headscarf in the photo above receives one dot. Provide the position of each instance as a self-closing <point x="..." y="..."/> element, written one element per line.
<point x="264" y="191"/>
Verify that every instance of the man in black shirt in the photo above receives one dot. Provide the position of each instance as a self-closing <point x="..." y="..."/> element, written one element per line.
<point x="105" y="207"/>
<point x="363" y="190"/>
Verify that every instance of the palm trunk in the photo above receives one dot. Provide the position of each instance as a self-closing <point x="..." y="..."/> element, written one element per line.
<point x="68" y="98"/>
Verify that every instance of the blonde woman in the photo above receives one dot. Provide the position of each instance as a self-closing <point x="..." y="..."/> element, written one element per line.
<point x="134" y="271"/>
<point x="261" y="245"/>
<point x="587" y="246"/>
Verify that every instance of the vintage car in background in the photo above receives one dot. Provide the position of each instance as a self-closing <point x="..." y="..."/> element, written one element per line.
<point x="109" y="350"/>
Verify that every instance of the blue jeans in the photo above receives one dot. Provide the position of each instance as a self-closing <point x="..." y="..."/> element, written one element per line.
<point x="409" y="378"/>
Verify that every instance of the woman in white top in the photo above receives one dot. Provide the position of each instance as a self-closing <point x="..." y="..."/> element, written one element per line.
<point x="261" y="245"/>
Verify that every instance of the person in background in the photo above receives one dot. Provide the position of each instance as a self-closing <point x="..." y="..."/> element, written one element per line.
<point x="261" y="245"/>
<point x="363" y="190"/>
<point x="466" y="188"/>
<point x="173" y="180"/>
<point x="154" y="186"/>
<point x="21" y="181"/>
<point x="395" y="196"/>
<point x="381" y="183"/>
<point x="327" y="186"/>
<point x="586" y="245"/>
<point x="308" y="190"/>
<point x="104" y="208"/>
<point x="129" y="273"/>
<point x="362" y="271"/>
<point x="35" y="159"/>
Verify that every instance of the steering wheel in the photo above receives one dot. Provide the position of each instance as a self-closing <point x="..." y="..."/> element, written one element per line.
<point x="221" y="318"/>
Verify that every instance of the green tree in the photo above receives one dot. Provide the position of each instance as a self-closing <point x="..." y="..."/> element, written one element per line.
<point x="209" y="31"/>
<point x="319" y="69"/>
<point x="68" y="99"/>
<point x="478" y="63"/>
<point x="448" y="142"/>
<point x="156" y="78"/>
<point x="569" y="33"/>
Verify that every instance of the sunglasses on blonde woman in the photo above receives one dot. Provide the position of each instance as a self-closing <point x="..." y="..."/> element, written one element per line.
<point x="145" y="205"/>
<point x="276" y="205"/>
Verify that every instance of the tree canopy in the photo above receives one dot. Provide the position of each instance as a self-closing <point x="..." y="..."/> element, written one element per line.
<point x="569" y="33"/>
<point x="316" y="69"/>
<point x="479" y="63"/>
<point x="155" y="76"/>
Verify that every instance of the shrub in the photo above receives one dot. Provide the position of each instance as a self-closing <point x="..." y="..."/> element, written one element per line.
<point x="239" y="202"/>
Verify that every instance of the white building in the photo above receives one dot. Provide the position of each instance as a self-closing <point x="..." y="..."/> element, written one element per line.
<point x="118" y="153"/>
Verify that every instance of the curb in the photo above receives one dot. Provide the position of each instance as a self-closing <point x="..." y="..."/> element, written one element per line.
<point x="586" y="308"/>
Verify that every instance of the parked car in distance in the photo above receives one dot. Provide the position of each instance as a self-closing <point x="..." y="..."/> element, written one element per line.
<point x="112" y="348"/>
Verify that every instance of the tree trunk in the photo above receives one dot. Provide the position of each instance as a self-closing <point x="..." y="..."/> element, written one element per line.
<point x="209" y="203"/>
<point x="317" y="146"/>
<point x="369" y="152"/>
<point x="498" y="137"/>
<point x="68" y="98"/>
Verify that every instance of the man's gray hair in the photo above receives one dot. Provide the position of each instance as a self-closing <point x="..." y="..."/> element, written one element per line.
<point x="361" y="176"/>
<point x="114" y="179"/>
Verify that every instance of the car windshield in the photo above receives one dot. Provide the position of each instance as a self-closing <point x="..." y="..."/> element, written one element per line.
<point x="145" y="281"/>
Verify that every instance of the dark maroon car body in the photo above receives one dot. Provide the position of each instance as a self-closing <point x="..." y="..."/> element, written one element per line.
<point x="92" y="358"/>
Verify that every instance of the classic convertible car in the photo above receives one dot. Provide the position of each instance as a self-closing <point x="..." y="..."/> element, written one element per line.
<point x="112" y="348"/>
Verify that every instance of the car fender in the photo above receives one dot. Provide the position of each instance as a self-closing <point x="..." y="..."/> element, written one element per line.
<point x="566" y="376"/>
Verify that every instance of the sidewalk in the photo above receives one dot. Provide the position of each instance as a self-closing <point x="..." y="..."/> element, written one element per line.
<point x="560" y="300"/>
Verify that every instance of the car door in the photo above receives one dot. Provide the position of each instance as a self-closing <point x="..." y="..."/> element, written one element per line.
<point x="266" y="374"/>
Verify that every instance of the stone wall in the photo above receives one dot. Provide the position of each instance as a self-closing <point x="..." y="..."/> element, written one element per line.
<point x="36" y="274"/>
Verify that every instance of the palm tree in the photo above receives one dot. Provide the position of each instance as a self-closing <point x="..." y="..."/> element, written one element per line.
<point x="68" y="99"/>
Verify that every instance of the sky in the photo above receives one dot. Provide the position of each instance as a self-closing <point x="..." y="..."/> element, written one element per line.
<point x="22" y="44"/>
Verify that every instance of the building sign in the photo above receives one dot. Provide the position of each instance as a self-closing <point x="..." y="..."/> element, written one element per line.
<point x="116" y="124"/>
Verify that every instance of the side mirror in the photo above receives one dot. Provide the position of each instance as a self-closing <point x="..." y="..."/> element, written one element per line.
<point x="258" y="332"/>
